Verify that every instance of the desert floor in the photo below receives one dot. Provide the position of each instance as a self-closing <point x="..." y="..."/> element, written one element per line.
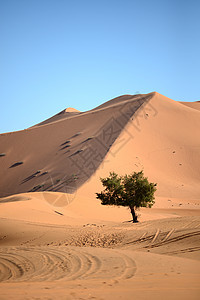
<point x="153" y="259"/>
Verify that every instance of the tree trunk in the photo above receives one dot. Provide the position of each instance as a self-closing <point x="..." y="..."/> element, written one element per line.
<point x="135" y="220"/>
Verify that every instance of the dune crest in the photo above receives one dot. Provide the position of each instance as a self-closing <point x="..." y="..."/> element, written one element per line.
<point x="71" y="109"/>
<point x="194" y="105"/>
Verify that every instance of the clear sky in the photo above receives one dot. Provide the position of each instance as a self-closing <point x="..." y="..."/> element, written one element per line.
<point x="56" y="54"/>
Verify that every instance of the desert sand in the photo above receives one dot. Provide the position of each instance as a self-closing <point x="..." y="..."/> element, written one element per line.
<point x="58" y="242"/>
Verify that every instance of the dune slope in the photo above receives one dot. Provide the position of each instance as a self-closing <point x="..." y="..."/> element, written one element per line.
<point x="54" y="156"/>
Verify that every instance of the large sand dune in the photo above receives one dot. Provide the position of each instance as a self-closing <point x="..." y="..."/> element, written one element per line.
<point x="58" y="242"/>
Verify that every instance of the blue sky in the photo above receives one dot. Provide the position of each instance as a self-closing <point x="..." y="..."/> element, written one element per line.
<point x="56" y="54"/>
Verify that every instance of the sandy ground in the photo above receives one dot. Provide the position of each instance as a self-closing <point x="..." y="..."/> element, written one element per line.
<point x="101" y="260"/>
<point x="58" y="242"/>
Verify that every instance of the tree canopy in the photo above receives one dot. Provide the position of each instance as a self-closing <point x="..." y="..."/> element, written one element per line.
<point x="132" y="190"/>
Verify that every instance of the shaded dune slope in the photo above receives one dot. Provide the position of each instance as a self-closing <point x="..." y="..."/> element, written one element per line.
<point x="56" y="156"/>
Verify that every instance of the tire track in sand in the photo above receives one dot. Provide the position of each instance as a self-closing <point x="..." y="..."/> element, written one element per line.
<point x="64" y="263"/>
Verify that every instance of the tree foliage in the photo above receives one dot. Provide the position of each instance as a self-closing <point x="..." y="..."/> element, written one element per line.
<point x="132" y="190"/>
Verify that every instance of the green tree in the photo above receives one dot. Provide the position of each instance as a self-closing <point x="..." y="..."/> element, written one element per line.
<point x="132" y="190"/>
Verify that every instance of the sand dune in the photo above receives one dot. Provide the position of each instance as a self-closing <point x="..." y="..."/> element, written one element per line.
<point x="54" y="156"/>
<point x="149" y="132"/>
<point x="194" y="105"/>
<point x="58" y="242"/>
<point x="66" y="113"/>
